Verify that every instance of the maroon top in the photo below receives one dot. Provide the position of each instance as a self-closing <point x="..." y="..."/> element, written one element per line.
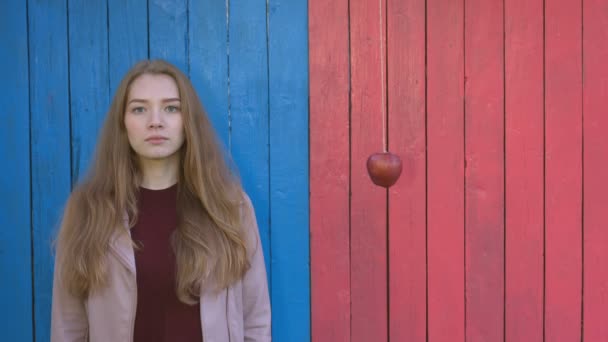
<point x="160" y="316"/>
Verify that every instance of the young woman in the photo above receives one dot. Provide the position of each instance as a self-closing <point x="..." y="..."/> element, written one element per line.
<point x="159" y="242"/>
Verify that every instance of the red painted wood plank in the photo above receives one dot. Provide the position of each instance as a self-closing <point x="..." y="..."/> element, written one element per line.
<point x="368" y="201"/>
<point x="484" y="186"/>
<point x="445" y="170"/>
<point x="407" y="198"/>
<point x="524" y="170"/>
<point x="329" y="170"/>
<point x="595" y="93"/>
<point x="563" y="170"/>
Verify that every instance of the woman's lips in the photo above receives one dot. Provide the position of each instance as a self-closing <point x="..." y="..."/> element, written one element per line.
<point x="155" y="140"/>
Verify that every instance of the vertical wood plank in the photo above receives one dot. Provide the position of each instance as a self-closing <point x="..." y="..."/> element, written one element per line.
<point x="484" y="184"/>
<point x="15" y="244"/>
<point x="407" y="198"/>
<point x="329" y="170"/>
<point x="127" y="36"/>
<point x="524" y="170"/>
<point x="563" y="177"/>
<point x="208" y="46"/>
<point x="368" y="201"/>
<point x="248" y="65"/>
<point x="288" y="119"/>
<point x="445" y="170"/>
<point x="89" y="80"/>
<point x="595" y="95"/>
<point x="168" y="26"/>
<point x="50" y="144"/>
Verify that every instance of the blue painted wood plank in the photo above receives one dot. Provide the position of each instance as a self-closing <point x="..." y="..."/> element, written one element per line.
<point x="168" y="22"/>
<point x="248" y="68"/>
<point x="127" y="37"/>
<point x="15" y="233"/>
<point x="207" y="36"/>
<point x="289" y="186"/>
<point x="50" y="144"/>
<point x="89" y="80"/>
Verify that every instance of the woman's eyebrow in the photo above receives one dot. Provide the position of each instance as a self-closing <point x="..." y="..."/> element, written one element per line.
<point x="172" y="99"/>
<point x="137" y="100"/>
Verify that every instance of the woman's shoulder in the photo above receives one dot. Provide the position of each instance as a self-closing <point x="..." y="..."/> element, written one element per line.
<point x="244" y="199"/>
<point x="248" y="221"/>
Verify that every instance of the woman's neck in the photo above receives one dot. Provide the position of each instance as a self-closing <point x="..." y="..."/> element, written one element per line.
<point x="158" y="174"/>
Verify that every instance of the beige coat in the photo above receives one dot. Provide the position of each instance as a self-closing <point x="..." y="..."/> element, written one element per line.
<point x="238" y="313"/>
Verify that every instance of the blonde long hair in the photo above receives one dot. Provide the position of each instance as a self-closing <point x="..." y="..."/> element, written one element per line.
<point x="209" y="196"/>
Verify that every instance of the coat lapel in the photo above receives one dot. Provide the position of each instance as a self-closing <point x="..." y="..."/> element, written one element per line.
<point x="213" y="304"/>
<point x="122" y="246"/>
<point x="214" y="315"/>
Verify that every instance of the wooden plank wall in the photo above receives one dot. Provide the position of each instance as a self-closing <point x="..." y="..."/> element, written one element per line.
<point x="444" y="170"/>
<point x="524" y="170"/>
<point x="368" y="271"/>
<point x="65" y="58"/>
<point x="50" y="145"/>
<point x="406" y="201"/>
<point x="595" y="168"/>
<point x="496" y="229"/>
<point x="15" y="219"/>
<point x="484" y="170"/>
<point x="329" y="58"/>
<point x="563" y="170"/>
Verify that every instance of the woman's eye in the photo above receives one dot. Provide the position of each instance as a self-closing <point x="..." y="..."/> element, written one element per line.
<point x="138" y="110"/>
<point x="172" y="109"/>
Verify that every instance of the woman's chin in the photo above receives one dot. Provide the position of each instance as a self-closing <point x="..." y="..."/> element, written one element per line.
<point x="156" y="156"/>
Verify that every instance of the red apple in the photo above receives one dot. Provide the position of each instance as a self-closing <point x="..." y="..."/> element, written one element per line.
<point x="384" y="168"/>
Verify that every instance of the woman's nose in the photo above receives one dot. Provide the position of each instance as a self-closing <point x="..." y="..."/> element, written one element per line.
<point x="156" y="119"/>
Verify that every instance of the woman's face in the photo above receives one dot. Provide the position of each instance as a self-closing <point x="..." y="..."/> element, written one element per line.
<point x="153" y="118"/>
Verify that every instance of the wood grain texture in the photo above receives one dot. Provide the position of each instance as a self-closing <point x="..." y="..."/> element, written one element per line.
<point x="595" y="97"/>
<point x="288" y="118"/>
<point x="15" y="244"/>
<point x="368" y="216"/>
<point x="563" y="175"/>
<point x="127" y="37"/>
<point x="208" y="46"/>
<point x="329" y="170"/>
<point x="50" y="145"/>
<point x="248" y="65"/>
<point x="484" y="184"/>
<point x="89" y="78"/>
<point x="407" y="198"/>
<point x="524" y="170"/>
<point x="168" y="26"/>
<point x="445" y="170"/>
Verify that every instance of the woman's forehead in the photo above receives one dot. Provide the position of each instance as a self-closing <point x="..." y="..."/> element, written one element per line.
<point x="153" y="86"/>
